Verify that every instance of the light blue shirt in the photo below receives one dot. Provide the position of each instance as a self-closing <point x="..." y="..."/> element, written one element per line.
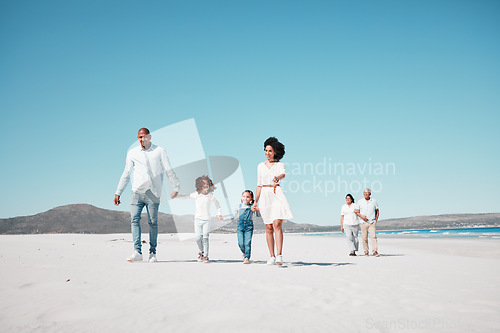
<point x="368" y="209"/>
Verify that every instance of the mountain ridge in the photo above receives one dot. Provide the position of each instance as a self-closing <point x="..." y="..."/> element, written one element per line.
<point x="85" y="218"/>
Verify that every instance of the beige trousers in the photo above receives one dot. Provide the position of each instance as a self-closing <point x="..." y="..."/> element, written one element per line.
<point x="367" y="228"/>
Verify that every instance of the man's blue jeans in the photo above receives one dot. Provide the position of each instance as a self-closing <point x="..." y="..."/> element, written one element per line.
<point x="245" y="232"/>
<point x="138" y="202"/>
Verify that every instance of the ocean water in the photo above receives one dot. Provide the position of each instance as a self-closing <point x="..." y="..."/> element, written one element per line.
<point x="490" y="232"/>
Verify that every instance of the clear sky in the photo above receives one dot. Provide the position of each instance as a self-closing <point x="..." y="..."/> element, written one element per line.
<point x="403" y="95"/>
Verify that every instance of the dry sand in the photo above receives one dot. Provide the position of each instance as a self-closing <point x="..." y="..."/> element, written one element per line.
<point x="82" y="283"/>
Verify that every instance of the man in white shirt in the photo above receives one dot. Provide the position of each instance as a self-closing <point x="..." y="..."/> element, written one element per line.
<point x="369" y="212"/>
<point x="148" y="163"/>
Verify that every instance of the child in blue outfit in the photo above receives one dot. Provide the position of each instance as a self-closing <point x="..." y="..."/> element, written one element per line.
<point x="245" y="216"/>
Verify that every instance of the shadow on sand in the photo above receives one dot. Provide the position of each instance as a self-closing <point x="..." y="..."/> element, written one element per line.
<point x="381" y="254"/>
<point x="292" y="264"/>
<point x="261" y="262"/>
<point x="301" y="263"/>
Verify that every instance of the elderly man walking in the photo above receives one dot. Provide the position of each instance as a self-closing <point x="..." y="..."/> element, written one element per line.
<point x="369" y="212"/>
<point x="148" y="163"/>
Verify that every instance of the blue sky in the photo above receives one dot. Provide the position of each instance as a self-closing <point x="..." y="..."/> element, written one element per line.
<point x="409" y="84"/>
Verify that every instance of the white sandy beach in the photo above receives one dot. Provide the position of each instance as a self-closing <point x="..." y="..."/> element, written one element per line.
<point x="82" y="283"/>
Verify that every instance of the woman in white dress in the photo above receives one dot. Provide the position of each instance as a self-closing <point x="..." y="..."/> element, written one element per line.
<point x="271" y="200"/>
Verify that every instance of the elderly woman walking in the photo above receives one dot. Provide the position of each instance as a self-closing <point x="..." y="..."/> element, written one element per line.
<point x="349" y="223"/>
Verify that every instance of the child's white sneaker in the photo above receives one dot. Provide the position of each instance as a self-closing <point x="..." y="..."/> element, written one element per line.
<point x="136" y="256"/>
<point x="246" y="261"/>
<point x="152" y="257"/>
<point x="200" y="256"/>
<point x="279" y="260"/>
<point x="272" y="261"/>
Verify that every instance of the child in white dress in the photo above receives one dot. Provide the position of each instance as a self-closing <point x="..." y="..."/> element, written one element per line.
<point x="203" y="196"/>
<point x="273" y="205"/>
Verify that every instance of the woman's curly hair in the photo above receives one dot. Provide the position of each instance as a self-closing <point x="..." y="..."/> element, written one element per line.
<point x="278" y="147"/>
<point x="200" y="182"/>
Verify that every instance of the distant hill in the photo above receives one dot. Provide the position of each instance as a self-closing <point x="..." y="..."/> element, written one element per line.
<point x="288" y="226"/>
<point x="441" y="222"/>
<point x="79" y="218"/>
<point x="83" y="218"/>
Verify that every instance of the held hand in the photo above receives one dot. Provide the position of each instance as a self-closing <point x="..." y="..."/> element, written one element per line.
<point x="276" y="179"/>
<point x="219" y="217"/>
<point x="117" y="200"/>
<point x="254" y="207"/>
<point x="365" y="218"/>
<point x="174" y="194"/>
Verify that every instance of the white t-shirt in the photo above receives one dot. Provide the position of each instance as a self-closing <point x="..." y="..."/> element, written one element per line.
<point x="203" y="202"/>
<point x="350" y="218"/>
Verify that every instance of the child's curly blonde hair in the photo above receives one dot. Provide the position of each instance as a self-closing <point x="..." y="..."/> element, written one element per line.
<point x="200" y="182"/>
